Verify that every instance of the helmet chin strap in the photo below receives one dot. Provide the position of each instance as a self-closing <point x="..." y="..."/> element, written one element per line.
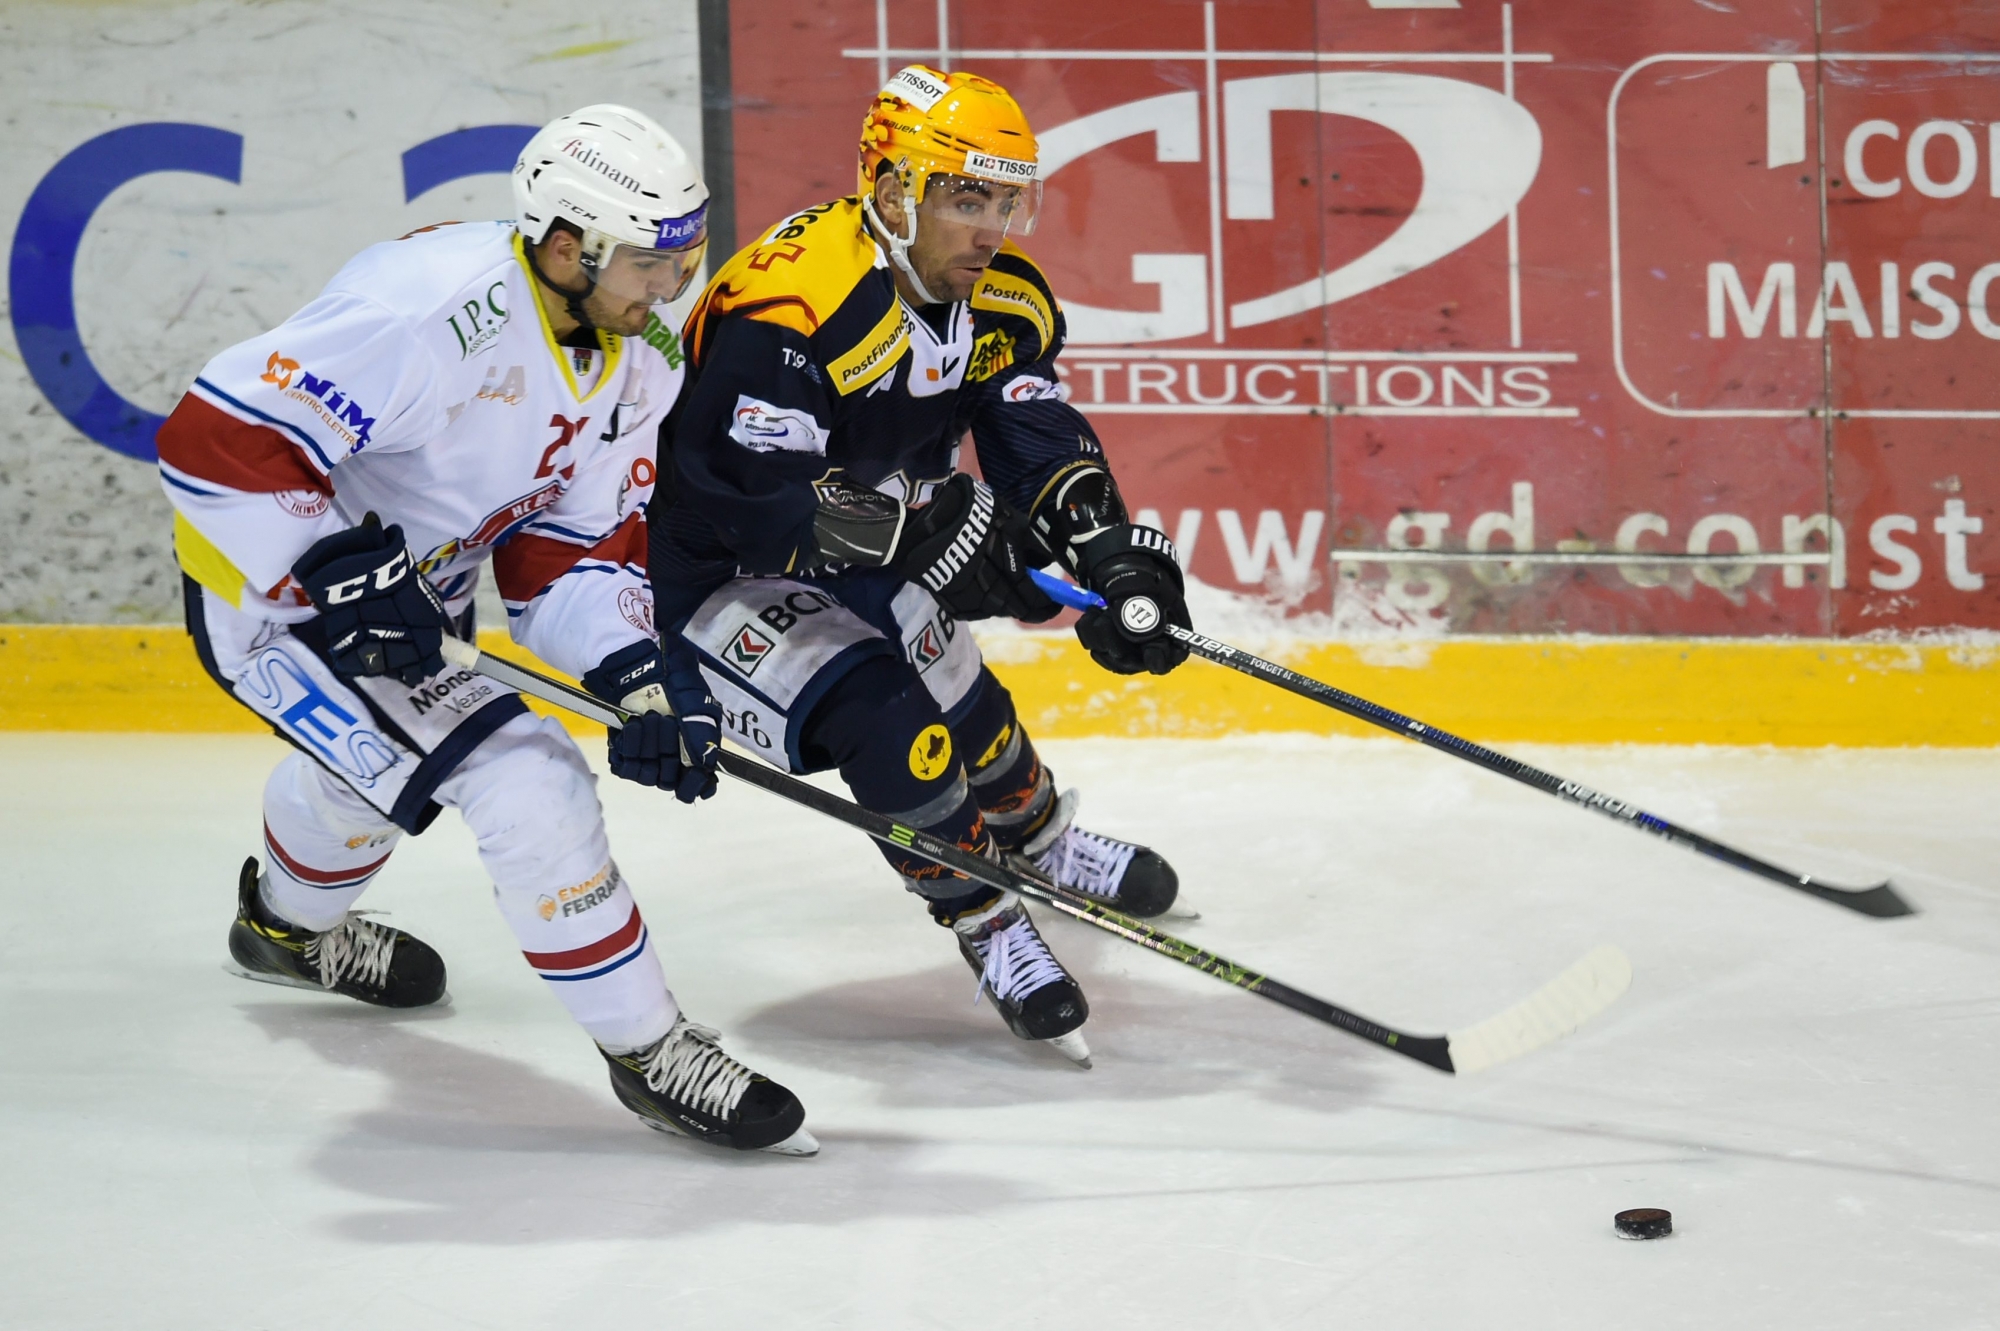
<point x="899" y="247"/>
<point x="572" y="299"/>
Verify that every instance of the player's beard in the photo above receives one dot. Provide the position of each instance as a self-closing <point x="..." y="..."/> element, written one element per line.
<point x="615" y="314"/>
<point x="954" y="278"/>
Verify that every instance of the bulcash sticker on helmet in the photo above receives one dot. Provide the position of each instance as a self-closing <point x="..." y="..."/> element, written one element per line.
<point x="915" y="85"/>
<point x="1005" y="169"/>
<point x="680" y="232"/>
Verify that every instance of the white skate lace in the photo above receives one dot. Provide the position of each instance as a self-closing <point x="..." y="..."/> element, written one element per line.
<point x="1017" y="961"/>
<point x="689" y="1066"/>
<point x="1086" y="862"/>
<point x="356" y="947"/>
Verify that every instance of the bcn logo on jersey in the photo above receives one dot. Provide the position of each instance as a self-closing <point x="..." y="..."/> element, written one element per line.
<point x="759" y="426"/>
<point x="748" y="649"/>
<point x="341" y="414"/>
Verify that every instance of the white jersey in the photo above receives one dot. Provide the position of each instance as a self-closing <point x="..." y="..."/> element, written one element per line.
<point x="423" y="385"/>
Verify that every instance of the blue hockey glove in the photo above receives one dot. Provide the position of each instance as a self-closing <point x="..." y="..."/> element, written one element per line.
<point x="675" y="732"/>
<point x="380" y="615"/>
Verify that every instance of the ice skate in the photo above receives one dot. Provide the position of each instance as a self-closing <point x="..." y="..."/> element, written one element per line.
<point x="1033" y="993"/>
<point x="1131" y="879"/>
<point x="686" y="1084"/>
<point x="357" y="957"/>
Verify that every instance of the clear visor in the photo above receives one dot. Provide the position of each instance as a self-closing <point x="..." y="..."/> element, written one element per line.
<point x="983" y="205"/>
<point x="648" y="276"/>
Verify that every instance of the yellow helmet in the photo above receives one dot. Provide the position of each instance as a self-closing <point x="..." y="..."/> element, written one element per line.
<point x="950" y="136"/>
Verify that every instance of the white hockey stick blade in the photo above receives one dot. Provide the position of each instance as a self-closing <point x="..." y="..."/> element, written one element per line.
<point x="1545" y="1016"/>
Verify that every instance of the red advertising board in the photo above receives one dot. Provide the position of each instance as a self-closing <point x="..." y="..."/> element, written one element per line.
<point x="1350" y="282"/>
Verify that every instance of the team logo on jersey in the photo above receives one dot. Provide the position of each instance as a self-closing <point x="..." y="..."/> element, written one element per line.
<point x="323" y="397"/>
<point x="301" y="503"/>
<point x="992" y="353"/>
<point x="636" y="605"/>
<point x="1033" y="388"/>
<point x="484" y="320"/>
<point x="763" y="428"/>
<point x="930" y="753"/>
<point x="748" y="649"/>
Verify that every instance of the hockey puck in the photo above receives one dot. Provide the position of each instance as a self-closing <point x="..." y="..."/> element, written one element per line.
<point x="1647" y="1222"/>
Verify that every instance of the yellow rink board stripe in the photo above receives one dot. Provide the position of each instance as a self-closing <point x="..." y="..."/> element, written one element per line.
<point x="1635" y="690"/>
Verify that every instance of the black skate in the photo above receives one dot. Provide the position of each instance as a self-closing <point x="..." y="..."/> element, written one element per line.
<point x="1017" y="971"/>
<point x="686" y="1084"/>
<point x="1127" y="878"/>
<point x="357" y="957"/>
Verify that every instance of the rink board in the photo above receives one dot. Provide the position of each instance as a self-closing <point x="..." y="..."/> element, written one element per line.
<point x="1612" y="690"/>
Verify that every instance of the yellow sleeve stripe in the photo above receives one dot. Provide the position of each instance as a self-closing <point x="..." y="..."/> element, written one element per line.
<point x="1006" y="294"/>
<point x="200" y="560"/>
<point x="874" y="355"/>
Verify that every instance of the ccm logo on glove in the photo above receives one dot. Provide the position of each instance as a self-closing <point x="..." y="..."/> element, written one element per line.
<point x="353" y="589"/>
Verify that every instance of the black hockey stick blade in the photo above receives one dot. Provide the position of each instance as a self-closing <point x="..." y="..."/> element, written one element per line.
<point x="1880" y="901"/>
<point x="1554" y="1010"/>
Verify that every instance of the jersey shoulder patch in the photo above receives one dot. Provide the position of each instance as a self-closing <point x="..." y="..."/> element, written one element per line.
<point x="797" y="275"/>
<point x="1015" y="289"/>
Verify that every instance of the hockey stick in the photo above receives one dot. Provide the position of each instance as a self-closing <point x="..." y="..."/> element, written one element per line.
<point x="1879" y="901"/>
<point x="1551" y="1012"/>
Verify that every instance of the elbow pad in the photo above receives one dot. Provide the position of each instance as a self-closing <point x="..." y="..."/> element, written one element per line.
<point x="1082" y="505"/>
<point x="854" y="524"/>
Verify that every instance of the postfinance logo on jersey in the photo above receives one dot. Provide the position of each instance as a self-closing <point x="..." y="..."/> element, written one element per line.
<point x="340" y="414"/>
<point x="875" y="353"/>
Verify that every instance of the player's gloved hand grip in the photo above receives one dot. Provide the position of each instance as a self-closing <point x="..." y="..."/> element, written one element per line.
<point x="972" y="552"/>
<point x="675" y="732"/>
<point x="1134" y="570"/>
<point x="380" y="615"/>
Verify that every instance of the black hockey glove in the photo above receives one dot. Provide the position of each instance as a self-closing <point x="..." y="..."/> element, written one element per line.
<point x="1082" y="518"/>
<point x="675" y="733"/>
<point x="972" y="552"/>
<point x="1134" y="570"/>
<point x="381" y="617"/>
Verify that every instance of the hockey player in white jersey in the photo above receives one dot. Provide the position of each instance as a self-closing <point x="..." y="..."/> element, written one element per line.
<point x="471" y="392"/>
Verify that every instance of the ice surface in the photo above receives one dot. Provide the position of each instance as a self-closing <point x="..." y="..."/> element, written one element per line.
<point x="1811" y="1093"/>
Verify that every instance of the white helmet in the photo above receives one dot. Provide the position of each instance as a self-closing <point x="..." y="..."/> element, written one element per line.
<point x="615" y="175"/>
